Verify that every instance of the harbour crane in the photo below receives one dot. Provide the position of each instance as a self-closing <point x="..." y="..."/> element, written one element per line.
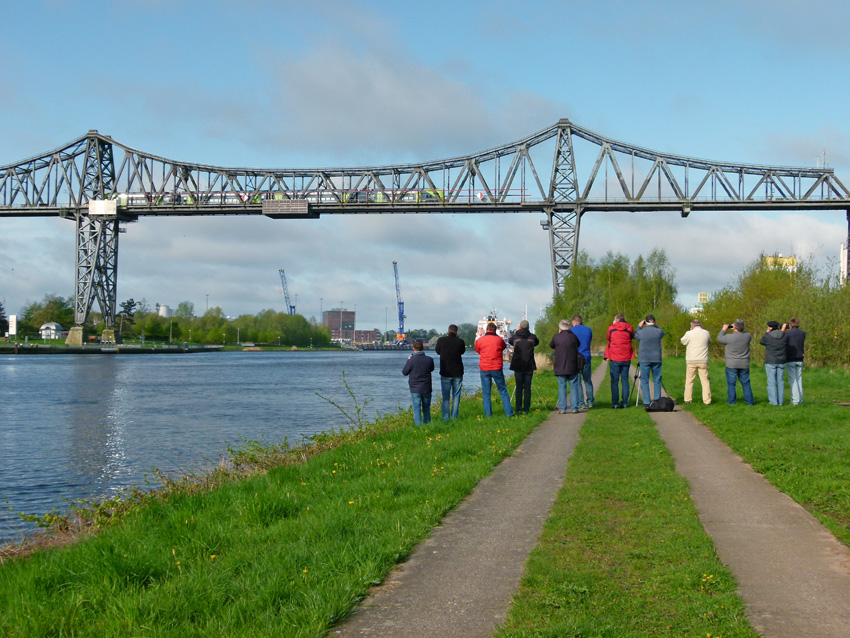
<point x="401" y="337"/>
<point x="285" y="290"/>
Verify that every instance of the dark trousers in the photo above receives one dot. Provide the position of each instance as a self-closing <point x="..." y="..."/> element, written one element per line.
<point x="523" y="390"/>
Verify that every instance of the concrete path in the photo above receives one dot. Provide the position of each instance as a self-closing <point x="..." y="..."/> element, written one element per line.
<point x="794" y="576"/>
<point x="459" y="581"/>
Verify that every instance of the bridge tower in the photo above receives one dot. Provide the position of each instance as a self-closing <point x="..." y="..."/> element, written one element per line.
<point x="563" y="211"/>
<point x="97" y="241"/>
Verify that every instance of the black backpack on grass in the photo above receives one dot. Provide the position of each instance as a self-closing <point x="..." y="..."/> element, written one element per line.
<point x="664" y="404"/>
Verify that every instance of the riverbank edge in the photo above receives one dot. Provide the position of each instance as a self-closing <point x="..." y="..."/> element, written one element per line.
<point x="86" y="517"/>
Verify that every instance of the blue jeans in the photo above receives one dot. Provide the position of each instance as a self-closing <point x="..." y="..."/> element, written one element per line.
<point x="732" y="376"/>
<point x="795" y="381"/>
<point x="588" y="385"/>
<point x="488" y="377"/>
<point x="421" y="407"/>
<point x="775" y="383"/>
<point x="523" y="390"/>
<point x="574" y="380"/>
<point x="619" y="372"/>
<point x="451" y="387"/>
<point x="645" y="370"/>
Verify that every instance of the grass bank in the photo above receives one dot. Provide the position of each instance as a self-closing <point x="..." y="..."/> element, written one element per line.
<point x="802" y="450"/>
<point x="623" y="552"/>
<point x="286" y="552"/>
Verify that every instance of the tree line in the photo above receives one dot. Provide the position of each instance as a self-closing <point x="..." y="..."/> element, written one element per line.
<point x="599" y="289"/>
<point x="137" y="320"/>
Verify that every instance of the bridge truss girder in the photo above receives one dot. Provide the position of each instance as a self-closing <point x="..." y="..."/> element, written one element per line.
<point x="589" y="173"/>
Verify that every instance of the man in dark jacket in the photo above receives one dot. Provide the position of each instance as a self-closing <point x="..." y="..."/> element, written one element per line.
<point x="451" y="349"/>
<point x="566" y="369"/>
<point x="794" y="348"/>
<point x="774" y="341"/>
<point x="418" y="369"/>
<point x="523" y="365"/>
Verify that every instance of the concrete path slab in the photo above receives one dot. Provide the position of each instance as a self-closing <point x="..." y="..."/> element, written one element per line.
<point x="460" y="581"/>
<point x="793" y="574"/>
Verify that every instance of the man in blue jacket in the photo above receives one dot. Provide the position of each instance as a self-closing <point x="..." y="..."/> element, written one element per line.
<point x="418" y="369"/>
<point x="649" y="357"/>
<point x="585" y="336"/>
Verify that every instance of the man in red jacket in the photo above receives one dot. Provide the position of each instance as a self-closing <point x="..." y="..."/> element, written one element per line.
<point x="619" y="353"/>
<point x="490" y="347"/>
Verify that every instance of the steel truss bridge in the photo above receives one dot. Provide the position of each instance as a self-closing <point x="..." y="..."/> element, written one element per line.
<point x="563" y="172"/>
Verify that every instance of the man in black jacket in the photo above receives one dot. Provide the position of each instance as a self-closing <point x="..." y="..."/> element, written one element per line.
<point x="794" y="349"/>
<point x="523" y="365"/>
<point x="774" y="341"/>
<point x="451" y="349"/>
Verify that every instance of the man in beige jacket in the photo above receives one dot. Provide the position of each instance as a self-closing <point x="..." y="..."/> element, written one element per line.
<point x="696" y="342"/>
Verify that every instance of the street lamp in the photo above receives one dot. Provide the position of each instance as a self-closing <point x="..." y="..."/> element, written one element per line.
<point x="208" y="302"/>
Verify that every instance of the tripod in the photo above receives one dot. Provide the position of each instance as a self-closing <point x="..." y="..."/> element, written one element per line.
<point x="539" y="396"/>
<point x="635" y="384"/>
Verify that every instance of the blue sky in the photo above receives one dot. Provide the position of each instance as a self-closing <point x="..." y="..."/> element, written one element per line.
<point x="303" y="85"/>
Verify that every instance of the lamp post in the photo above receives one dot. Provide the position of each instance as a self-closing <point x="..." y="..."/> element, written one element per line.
<point x="208" y="302"/>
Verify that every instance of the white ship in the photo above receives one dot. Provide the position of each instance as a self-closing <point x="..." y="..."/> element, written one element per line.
<point x="503" y="326"/>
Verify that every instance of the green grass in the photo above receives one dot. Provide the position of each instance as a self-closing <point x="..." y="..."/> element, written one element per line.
<point x="284" y="553"/>
<point x="802" y="450"/>
<point x="623" y="553"/>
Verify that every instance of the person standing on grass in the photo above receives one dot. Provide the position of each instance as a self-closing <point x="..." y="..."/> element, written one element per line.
<point x="774" y="342"/>
<point x="737" y="356"/>
<point x="566" y="370"/>
<point x="649" y="357"/>
<point x="523" y="364"/>
<point x="696" y="342"/>
<point x="619" y="354"/>
<point x="451" y="349"/>
<point x="491" y="347"/>
<point x="418" y="369"/>
<point x="794" y="359"/>
<point x="585" y="336"/>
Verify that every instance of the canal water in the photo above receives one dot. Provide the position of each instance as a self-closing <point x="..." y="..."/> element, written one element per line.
<point x="87" y="426"/>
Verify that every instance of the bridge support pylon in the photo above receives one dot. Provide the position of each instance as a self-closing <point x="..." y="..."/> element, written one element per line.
<point x="564" y="214"/>
<point x="97" y="270"/>
<point x="563" y="229"/>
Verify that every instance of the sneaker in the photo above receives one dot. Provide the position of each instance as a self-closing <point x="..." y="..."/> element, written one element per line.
<point x="575" y="411"/>
<point x="562" y="411"/>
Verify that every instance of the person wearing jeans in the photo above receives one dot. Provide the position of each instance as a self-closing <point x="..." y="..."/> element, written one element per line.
<point x="794" y="348"/>
<point x="619" y="353"/>
<point x="774" y="342"/>
<point x="585" y="337"/>
<point x="490" y="348"/>
<point x="418" y="369"/>
<point x="566" y="370"/>
<point x="450" y="348"/>
<point x="649" y="357"/>
<point x="737" y="355"/>
<point x="488" y="377"/>
<point x="522" y="363"/>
